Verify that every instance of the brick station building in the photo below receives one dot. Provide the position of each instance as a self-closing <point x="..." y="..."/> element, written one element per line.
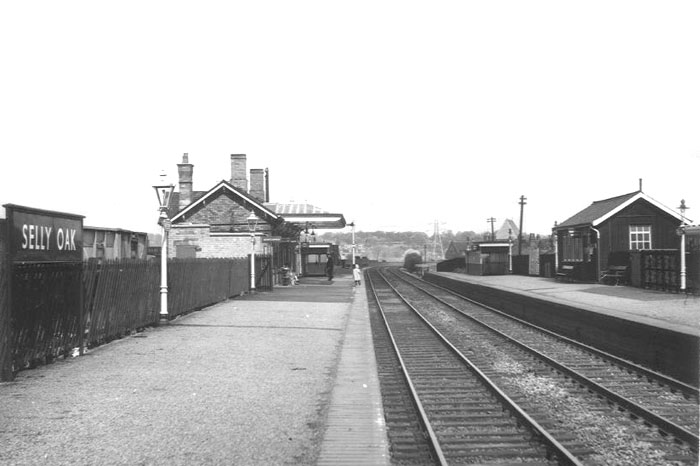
<point x="214" y="223"/>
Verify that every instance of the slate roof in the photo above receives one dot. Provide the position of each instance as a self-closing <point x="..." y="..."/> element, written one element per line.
<point x="597" y="210"/>
<point x="294" y="208"/>
<point x="600" y="211"/>
<point x="199" y="197"/>
<point x="293" y="213"/>
<point x="300" y="214"/>
<point x="174" y="209"/>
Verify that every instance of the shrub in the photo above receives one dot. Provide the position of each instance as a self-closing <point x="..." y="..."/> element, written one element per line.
<point x="410" y="259"/>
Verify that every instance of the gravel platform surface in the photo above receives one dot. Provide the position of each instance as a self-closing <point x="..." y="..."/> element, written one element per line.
<point x="245" y="382"/>
<point x="676" y="311"/>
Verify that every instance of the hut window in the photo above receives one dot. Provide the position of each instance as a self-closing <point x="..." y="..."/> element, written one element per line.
<point x="88" y="238"/>
<point x="572" y="248"/>
<point x="640" y="237"/>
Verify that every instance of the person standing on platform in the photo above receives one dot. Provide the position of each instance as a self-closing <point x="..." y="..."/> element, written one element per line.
<point x="357" y="274"/>
<point x="329" y="267"/>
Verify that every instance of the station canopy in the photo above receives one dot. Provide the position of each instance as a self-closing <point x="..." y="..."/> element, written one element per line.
<point x="303" y="215"/>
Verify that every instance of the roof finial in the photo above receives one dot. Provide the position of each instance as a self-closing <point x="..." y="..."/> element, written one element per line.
<point x="640" y="185"/>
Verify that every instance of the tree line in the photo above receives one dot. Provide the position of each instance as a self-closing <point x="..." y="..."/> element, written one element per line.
<point x="392" y="245"/>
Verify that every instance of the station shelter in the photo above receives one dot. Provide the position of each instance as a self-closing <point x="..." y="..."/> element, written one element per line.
<point x="308" y="219"/>
<point x="607" y="232"/>
<point x="489" y="258"/>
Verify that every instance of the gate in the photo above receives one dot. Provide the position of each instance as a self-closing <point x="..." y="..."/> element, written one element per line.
<point x="263" y="272"/>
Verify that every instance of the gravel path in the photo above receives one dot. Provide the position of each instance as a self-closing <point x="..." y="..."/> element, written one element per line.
<point x="243" y="382"/>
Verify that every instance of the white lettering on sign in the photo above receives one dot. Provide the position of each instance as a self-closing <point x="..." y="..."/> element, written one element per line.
<point x="36" y="237"/>
<point x="65" y="239"/>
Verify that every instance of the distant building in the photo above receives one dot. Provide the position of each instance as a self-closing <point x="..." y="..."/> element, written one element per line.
<point x="457" y="249"/>
<point x="508" y="231"/>
<point x="214" y="223"/>
<point x="114" y="243"/>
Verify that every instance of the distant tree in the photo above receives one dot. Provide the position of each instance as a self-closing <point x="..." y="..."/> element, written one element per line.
<point x="410" y="259"/>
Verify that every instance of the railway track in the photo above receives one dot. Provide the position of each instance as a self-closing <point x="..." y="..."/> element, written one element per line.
<point x="587" y="395"/>
<point x="465" y="417"/>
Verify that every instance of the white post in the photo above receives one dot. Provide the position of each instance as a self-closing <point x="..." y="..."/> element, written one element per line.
<point x="555" y="236"/>
<point x="353" y="245"/>
<point x="682" y="258"/>
<point x="164" y="271"/>
<point x="510" y="256"/>
<point x="252" y="264"/>
<point x="682" y="208"/>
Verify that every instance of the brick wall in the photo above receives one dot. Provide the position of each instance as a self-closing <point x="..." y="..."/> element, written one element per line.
<point x="225" y="210"/>
<point x="216" y="245"/>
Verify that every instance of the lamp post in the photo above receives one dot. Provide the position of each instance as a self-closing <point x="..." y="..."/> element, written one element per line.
<point x="252" y="223"/>
<point x="510" y="250"/>
<point x="353" y="244"/>
<point x="681" y="229"/>
<point x="164" y="191"/>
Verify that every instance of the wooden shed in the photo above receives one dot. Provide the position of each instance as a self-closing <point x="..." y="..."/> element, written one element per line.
<point x="603" y="234"/>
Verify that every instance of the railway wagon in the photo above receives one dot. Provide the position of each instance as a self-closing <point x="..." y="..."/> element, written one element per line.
<point x="114" y="243"/>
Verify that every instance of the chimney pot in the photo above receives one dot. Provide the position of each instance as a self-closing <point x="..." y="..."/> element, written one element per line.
<point x="184" y="171"/>
<point x="239" y="179"/>
<point x="257" y="183"/>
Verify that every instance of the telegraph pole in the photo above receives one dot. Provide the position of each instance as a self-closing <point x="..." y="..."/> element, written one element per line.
<point x="520" y="233"/>
<point x="492" y="220"/>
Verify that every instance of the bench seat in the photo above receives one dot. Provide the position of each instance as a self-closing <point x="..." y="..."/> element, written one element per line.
<point x="615" y="275"/>
<point x="566" y="273"/>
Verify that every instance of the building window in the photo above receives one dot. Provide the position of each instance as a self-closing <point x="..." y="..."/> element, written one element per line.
<point x="640" y="237"/>
<point x="572" y="248"/>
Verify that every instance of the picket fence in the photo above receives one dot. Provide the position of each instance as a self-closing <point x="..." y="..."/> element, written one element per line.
<point x="58" y="307"/>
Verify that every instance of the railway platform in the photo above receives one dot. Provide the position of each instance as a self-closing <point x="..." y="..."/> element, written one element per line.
<point x="672" y="311"/>
<point x="281" y="377"/>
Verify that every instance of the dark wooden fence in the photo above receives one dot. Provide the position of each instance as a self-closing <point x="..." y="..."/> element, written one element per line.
<point x="659" y="269"/>
<point x="5" y="328"/>
<point x="120" y="296"/>
<point x="197" y="283"/>
<point x="46" y="311"/>
<point x="521" y="265"/>
<point x="51" y="316"/>
<point x="456" y="264"/>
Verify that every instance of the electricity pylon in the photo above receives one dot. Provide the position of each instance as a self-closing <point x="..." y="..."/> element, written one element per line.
<point x="437" y="242"/>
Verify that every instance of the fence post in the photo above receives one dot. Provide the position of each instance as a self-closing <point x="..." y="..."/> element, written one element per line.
<point x="5" y="311"/>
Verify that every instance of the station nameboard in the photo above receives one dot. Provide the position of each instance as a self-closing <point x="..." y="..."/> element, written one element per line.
<point x="37" y="235"/>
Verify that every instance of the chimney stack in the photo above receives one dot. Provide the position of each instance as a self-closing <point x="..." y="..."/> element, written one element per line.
<point x="238" y="172"/>
<point x="184" y="171"/>
<point x="257" y="183"/>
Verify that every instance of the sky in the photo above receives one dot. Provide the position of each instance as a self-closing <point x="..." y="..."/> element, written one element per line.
<point x="397" y="114"/>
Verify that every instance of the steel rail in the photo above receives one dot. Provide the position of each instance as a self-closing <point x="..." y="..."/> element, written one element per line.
<point x="434" y="443"/>
<point x="563" y="455"/>
<point x="664" y="424"/>
<point x="664" y="379"/>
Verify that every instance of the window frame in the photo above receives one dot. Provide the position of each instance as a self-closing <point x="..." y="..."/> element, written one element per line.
<point x="634" y="234"/>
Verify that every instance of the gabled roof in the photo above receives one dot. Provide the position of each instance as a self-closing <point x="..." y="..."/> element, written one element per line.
<point x="302" y="213"/>
<point x="502" y="233"/>
<point x="224" y="186"/>
<point x="600" y="211"/>
<point x="459" y="245"/>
